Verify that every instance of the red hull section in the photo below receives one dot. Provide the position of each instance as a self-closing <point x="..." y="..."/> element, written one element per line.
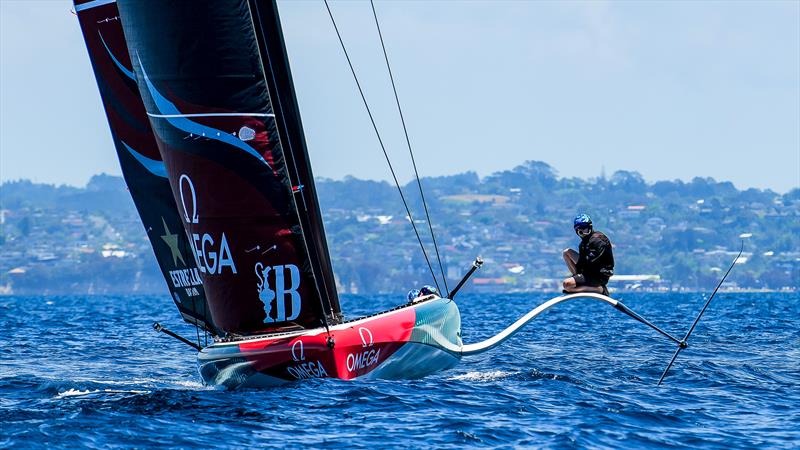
<point x="408" y="342"/>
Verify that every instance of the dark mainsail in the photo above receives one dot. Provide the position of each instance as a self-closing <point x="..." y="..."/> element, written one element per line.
<point x="141" y="163"/>
<point x="225" y="118"/>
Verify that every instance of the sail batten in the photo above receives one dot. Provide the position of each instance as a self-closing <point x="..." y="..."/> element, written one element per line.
<point x="224" y="138"/>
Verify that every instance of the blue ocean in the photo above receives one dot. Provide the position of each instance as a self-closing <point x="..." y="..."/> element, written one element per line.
<point x="89" y="371"/>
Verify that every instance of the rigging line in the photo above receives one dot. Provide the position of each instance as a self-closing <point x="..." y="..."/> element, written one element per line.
<point x="205" y="320"/>
<point x="383" y="147"/>
<point x="683" y="344"/>
<point x="195" y="309"/>
<point x="197" y="332"/>
<point x="410" y="152"/>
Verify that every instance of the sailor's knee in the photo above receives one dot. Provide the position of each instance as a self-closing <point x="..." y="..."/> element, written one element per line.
<point x="569" y="283"/>
<point x="566" y="251"/>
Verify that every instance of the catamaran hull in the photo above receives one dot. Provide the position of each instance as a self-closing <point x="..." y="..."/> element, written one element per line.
<point x="409" y="342"/>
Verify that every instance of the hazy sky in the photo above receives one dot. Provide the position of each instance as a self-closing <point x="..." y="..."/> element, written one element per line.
<point x="669" y="89"/>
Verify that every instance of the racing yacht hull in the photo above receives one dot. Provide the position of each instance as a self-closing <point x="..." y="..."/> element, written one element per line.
<point x="411" y="341"/>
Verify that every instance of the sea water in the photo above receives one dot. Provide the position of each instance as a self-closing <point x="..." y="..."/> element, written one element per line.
<point x="90" y="371"/>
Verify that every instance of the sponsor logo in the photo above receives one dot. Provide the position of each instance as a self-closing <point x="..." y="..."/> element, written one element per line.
<point x="297" y="351"/>
<point x="187" y="279"/>
<point x="363" y="360"/>
<point x="304" y="370"/>
<point x="211" y="256"/>
<point x="366" y="358"/>
<point x="276" y="276"/>
<point x="366" y="335"/>
<point x="311" y="369"/>
<point x="246" y="133"/>
<point x="194" y="218"/>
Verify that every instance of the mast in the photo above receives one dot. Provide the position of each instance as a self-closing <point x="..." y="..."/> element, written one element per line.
<point x="281" y="87"/>
<point x="139" y="158"/>
<point x="233" y="155"/>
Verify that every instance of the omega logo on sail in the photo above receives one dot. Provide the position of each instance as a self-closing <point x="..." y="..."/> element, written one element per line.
<point x="211" y="258"/>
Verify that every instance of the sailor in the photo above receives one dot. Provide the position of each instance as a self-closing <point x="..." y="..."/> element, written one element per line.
<point x="593" y="264"/>
<point x="425" y="293"/>
<point x="428" y="290"/>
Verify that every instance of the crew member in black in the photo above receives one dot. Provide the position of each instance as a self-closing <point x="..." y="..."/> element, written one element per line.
<point x="593" y="264"/>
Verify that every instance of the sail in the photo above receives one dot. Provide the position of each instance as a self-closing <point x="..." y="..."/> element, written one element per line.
<point x="236" y="161"/>
<point x="141" y="163"/>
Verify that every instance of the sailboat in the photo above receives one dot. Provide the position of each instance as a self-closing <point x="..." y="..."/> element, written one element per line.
<point x="204" y="118"/>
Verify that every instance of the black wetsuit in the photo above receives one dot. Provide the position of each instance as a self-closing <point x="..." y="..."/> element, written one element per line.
<point x="595" y="260"/>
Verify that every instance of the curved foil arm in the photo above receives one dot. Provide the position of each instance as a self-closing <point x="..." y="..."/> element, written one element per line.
<point x="494" y="341"/>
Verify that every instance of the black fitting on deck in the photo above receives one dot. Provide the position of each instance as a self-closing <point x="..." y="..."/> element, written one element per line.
<point x="475" y="266"/>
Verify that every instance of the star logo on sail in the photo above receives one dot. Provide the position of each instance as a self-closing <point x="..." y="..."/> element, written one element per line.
<point x="188" y="279"/>
<point x="172" y="242"/>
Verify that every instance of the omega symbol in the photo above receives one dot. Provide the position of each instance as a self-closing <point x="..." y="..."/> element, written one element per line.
<point x="194" y="218"/>
<point x="297" y="349"/>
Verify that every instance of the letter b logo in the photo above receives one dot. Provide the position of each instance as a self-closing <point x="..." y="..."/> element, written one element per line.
<point x="283" y="287"/>
<point x="281" y="290"/>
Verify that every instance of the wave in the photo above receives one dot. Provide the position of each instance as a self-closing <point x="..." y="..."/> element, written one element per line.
<point x="483" y="376"/>
<point x="70" y="393"/>
<point x="150" y="383"/>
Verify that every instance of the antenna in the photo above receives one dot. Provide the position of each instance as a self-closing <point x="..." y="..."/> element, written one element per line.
<point x="683" y="343"/>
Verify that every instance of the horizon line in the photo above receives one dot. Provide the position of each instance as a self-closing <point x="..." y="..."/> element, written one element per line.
<point x="4" y="181"/>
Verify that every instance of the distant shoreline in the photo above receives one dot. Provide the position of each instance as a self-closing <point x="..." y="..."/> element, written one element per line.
<point x="668" y="236"/>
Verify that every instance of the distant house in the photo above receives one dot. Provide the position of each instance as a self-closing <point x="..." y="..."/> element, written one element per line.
<point x="475" y="198"/>
<point x="489" y="281"/>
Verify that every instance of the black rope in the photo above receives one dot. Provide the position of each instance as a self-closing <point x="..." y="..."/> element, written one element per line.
<point x="683" y="344"/>
<point x="197" y="332"/>
<point x="206" y="322"/>
<point x="195" y="309"/>
<point x="410" y="152"/>
<point x="380" y="141"/>
<point x="205" y="318"/>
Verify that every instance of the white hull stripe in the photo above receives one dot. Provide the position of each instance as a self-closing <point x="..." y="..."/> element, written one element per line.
<point x="173" y="116"/>
<point x="93" y="4"/>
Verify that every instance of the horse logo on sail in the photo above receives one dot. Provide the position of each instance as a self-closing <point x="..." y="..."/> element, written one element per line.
<point x="277" y="275"/>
